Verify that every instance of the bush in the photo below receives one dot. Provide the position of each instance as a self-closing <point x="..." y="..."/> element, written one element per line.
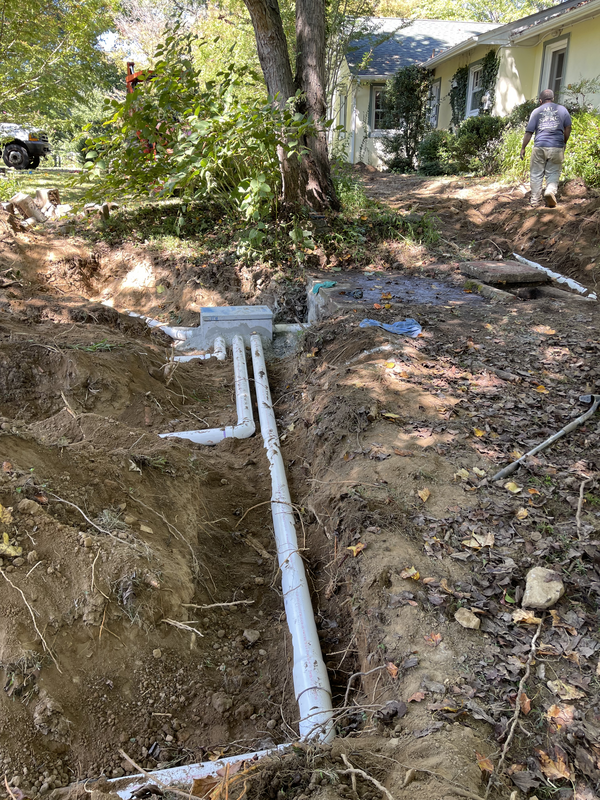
<point x="436" y="153"/>
<point x="406" y="111"/>
<point x="519" y="116"/>
<point x="509" y="151"/>
<point x="582" y="156"/>
<point x="477" y="144"/>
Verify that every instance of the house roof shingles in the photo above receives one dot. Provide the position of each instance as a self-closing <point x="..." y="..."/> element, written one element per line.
<point x="412" y="44"/>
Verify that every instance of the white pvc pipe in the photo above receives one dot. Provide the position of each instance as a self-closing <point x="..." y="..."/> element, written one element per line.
<point x="219" y="352"/>
<point x="556" y="276"/>
<point x="311" y="683"/>
<point x="186" y="773"/>
<point x="245" y="425"/>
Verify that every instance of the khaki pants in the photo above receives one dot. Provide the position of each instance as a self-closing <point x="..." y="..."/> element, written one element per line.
<point x="545" y="161"/>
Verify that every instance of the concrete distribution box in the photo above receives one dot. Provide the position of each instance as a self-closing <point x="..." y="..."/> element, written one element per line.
<point x="227" y="321"/>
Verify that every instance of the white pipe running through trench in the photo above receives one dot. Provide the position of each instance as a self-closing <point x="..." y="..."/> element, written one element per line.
<point x="311" y="682"/>
<point x="245" y="425"/>
<point x="556" y="276"/>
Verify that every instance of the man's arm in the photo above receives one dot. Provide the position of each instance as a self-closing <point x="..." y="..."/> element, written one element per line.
<point x="527" y="139"/>
<point x="567" y="133"/>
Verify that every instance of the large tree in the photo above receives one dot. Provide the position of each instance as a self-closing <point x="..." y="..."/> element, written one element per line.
<point x="50" y="57"/>
<point x="306" y="178"/>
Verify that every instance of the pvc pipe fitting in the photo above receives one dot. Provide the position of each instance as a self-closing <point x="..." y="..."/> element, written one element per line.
<point x="311" y="682"/>
<point x="245" y="425"/>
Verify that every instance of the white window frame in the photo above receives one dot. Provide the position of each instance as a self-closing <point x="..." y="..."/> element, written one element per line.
<point x="343" y="115"/>
<point x="561" y="44"/>
<point x="375" y="88"/>
<point x="471" y="89"/>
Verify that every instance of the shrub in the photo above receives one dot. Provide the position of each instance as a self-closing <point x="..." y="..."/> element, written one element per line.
<point x="477" y="144"/>
<point x="509" y="151"/>
<point x="519" y="116"/>
<point x="406" y="111"/>
<point x="436" y="153"/>
<point x="582" y="156"/>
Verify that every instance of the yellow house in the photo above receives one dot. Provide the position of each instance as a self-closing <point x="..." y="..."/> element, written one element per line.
<point x="548" y="50"/>
<point x="389" y="45"/>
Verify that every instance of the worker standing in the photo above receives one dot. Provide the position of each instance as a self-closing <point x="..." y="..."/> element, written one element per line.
<point x="551" y="124"/>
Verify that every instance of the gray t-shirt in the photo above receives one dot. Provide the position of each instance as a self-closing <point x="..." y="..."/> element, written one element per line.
<point x="548" y="122"/>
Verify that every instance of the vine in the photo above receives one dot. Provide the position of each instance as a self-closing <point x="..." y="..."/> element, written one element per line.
<point x="489" y="72"/>
<point x="458" y="94"/>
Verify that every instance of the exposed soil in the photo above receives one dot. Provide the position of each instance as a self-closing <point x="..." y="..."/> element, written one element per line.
<point x="389" y="455"/>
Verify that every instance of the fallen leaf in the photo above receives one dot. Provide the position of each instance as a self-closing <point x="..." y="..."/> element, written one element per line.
<point x="406" y="453"/>
<point x="478" y="432"/>
<point x="387" y="305"/>
<point x="392" y="669"/>
<point x="516" y="454"/>
<point x="7" y="549"/>
<point x="424" y="494"/>
<point x="513" y="488"/>
<point x="558" y="623"/>
<point x="416" y="697"/>
<point x="525" y="703"/>
<point x="355" y="549"/>
<point x="389" y="415"/>
<point x="554" y="769"/>
<point x="377" y="305"/>
<point x="542" y="390"/>
<point x="527" y="617"/>
<point x="410" y="572"/>
<point x="5" y="515"/>
<point x="7" y="466"/>
<point x="479" y="472"/>
<point x="522" y="513"/>
<point x="565" y="691"/>
<point x="462" y="474"/>
<point x="390" y="364"/>
<point x="479" y="540"/>
<point x="543" y="329"/>
<point x="386" y="296"/>
<point x="533" y="491"/>
<point x="484" y="764"/>
<point x="560" y="716"/>
<point x="433" y="639"/>
<point x="202" y="786"/>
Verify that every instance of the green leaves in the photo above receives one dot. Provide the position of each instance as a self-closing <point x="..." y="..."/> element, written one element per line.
<point x="178" y="135"/>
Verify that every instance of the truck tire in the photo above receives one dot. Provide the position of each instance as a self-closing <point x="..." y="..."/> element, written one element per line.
<point x="15" y="156"/>
<point x="34" y="162"/>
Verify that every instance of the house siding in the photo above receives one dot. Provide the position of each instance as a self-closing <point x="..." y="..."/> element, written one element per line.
<point x="521" y="67"/>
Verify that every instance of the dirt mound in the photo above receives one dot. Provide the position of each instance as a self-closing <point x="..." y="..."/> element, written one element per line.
<point x="482" y="219"/>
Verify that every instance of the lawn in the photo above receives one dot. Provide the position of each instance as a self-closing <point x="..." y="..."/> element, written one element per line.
<point x="70" y="183"/>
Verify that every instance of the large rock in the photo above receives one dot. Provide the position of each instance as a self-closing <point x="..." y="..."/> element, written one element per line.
<point x="543" y="588"/>
<point x="467" y="619"/>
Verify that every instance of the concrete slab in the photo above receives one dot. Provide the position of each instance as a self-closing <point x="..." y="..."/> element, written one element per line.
<point x="360" y="291"/>
<point x="503" y="272"/>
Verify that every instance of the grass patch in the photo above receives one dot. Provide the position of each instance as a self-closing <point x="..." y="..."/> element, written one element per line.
<point x="71" y="185"/>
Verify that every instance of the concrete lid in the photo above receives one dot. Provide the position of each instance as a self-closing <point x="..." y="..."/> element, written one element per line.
<point x="496" y="272"/>
<point x="235" y="313"/>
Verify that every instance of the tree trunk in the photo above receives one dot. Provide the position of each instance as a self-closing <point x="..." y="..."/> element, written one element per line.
<point x="310" y="77"/>
<point x="307" y="182"/>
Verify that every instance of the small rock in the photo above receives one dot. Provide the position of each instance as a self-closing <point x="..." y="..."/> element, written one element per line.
<point x="271" y="724"/>
<point x="32" y="556"/>
<point x="262" y="652"/>
<point x="467" y="619"/>
<point x="29" y="507"/>
<point x="157" y="653"/>
<point x="259" y="581"/>
<point x="18" y="562"/>
<point x="543" y="588"/>
<point x="88" y="541"/>
<point x="221" y="702"/>
<point x="221" y="633"/>
<point x="146" y="529"/>
<point x="251" y="636"/>
<point x="128" y="519"/>
<point x="224" y="482"/>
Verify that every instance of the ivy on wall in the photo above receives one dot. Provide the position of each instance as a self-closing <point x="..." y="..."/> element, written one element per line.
<point x="460" y="85"/>
<point x="489" y="72"/>
<point x="458" y="94"/>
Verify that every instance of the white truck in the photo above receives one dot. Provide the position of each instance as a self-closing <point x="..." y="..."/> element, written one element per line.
<point x="21" y="147"/>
